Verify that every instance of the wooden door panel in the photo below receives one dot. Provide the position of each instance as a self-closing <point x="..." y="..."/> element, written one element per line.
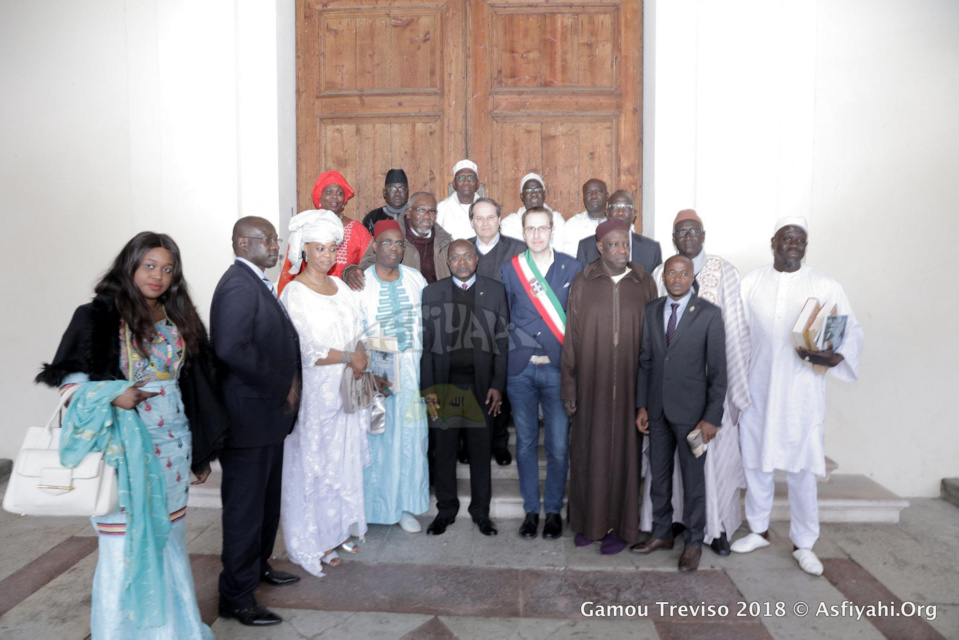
<point x="546" y="87"/>
<point x="554" y="147"/>
<point x="377" y="82"/>
<point x="557" y="91"/>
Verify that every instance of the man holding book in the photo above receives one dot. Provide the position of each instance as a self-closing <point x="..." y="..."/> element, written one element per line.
<point x="783" y="428"/>
<point x="396" y="483"/>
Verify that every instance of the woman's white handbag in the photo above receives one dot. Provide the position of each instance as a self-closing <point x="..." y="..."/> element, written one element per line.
<point x="40" y="486"/>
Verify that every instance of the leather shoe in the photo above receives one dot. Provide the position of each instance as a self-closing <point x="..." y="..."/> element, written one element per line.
<point x="463" y="455"/>
<point x="689" y="560"/>
<point x="486" y="527"/>
<point x="529" y="526"/>
<point x="653" y="544"/>
<point x="255" y="616"/>
<point x="720" y="545"/>
<point x="502" y="456"/>
<point x="553" y="527"/>
<point x="438" y="526"/>
<point x="678" y="529"/>
<point x="278" y="578"/>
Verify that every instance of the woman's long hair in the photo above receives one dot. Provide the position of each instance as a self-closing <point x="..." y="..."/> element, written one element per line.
<point x="133" y="307"/>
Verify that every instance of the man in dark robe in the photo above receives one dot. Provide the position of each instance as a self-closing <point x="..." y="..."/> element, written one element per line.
<point x="600" y="358"/>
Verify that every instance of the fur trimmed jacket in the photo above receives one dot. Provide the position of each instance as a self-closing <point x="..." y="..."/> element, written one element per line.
<point x="91" y="345"/>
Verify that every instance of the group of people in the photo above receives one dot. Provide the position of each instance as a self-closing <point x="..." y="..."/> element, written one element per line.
<point x="478" y="317"/>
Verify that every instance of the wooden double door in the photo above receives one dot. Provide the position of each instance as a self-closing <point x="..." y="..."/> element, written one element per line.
<point x="517" y="86"/>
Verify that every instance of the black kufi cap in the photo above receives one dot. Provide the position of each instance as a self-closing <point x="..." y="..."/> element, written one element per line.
<point x="394" y="176"/>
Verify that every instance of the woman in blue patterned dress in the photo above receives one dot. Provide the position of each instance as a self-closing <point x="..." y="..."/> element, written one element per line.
<point x="142" y="328"/>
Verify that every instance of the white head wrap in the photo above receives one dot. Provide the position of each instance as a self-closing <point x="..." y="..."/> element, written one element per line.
<point x="531" y="176"/>
<point x="794" y="221"/>
<point x="314" y="225"/>
<point x="465" y="164"/>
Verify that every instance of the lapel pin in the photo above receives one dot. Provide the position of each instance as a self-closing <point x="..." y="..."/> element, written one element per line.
<point x="691" y="309"/>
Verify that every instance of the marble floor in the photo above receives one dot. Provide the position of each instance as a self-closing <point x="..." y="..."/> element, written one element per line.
<point x="894" y="581"/>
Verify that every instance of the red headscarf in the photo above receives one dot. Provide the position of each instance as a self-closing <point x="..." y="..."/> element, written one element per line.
<point x="326" y="179"/>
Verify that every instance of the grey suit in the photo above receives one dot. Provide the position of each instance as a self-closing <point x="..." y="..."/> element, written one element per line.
<point x="679" y="385"/>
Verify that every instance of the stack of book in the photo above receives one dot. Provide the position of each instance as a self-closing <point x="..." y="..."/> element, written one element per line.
<point x="818" y="328"/>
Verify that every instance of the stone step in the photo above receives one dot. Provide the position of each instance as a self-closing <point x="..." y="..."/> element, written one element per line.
<point x="845" y="498"/>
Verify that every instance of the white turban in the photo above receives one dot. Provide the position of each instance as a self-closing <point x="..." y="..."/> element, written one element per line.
<point x="531" y="176"/>
<point x="314" y="225"/>
<point x="465" y="164"/>
<point x="791" y="221"/>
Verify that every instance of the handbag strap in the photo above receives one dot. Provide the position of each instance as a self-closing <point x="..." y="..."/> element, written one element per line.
<point x="64" y="399"/>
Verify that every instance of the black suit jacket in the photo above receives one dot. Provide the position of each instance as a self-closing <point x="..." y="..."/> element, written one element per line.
<point x="686" y="381"/>
<point x="490" y="336"/>
<point x="491" y="264"/>
<point x="646" y="252"/>
<point x="259" y="349"/>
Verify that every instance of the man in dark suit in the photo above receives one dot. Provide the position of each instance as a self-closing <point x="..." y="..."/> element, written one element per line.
<point x="493" y="250"/>
<point x="680" y="386"/>
<point x="643" y="251"/>
<point x="462" y="375"/>
<point x="260" y="352"/>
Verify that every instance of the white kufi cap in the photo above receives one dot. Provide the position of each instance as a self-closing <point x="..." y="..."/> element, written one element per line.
<point x="791" y="221"/>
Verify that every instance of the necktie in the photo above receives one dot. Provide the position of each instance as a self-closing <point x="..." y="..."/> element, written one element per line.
<point x="671" y="325"/>
<point x="465" y="287"/>
<point x="270" y="286"/>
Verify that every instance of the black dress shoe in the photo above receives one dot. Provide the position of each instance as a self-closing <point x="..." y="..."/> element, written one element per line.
<point x="255" y="616"/>
<point x="529" y="526"/>
<point x="438" y="526"/>
<point x="278" y="578"/>
<point x="720" y="545"/>
<point x="502" y="456"/>
<point x="553" y="528"/>
<point x="678" y="529"/>
<point x="486" y="527"/>
<point x="463" y="456"/>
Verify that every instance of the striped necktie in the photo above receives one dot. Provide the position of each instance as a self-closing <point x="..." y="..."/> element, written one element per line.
<point x="671" y="325"/>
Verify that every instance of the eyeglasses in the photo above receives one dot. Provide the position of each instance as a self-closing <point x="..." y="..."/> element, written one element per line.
<point x="682" y="233"/>
<point x="534" y="190"/>
<point x="266" y="241"/>
<point x="620" y="207"/>
<point x="466" y="177"/>
<point x="396" y="188"/>
<point x="537" y="230"/>
<point x="387" y="244"/>
<point x="423" y="211"/>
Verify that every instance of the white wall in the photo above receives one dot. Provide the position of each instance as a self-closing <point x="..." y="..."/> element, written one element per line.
<point x="120" y="116"/>
<point x="844" y="112"/>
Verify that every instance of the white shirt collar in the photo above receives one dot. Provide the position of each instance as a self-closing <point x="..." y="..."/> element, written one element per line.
<point x="486" y="248"/>
<point x="469" y="283"/>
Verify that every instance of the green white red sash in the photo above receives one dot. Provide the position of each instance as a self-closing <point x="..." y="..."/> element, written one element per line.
<point x="541" y="294"/>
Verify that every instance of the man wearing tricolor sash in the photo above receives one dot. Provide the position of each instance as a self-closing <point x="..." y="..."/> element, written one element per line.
<point x="537" y="285"/>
